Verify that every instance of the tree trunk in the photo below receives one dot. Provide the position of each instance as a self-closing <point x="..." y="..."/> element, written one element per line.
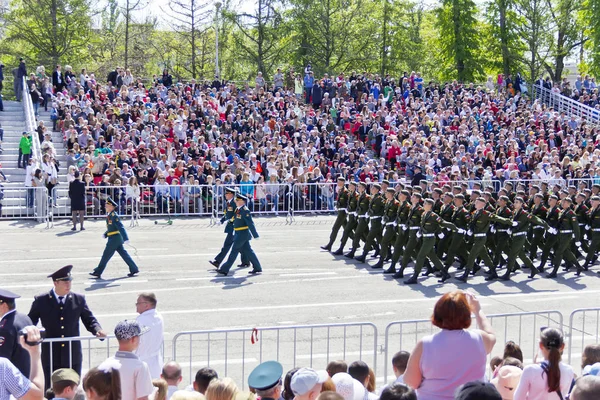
<point x="384" y="38"/>
<point x="458" y="54"/>
<point x="126" y="34"/>
<point x="503" y="7"/>
<point x="53" y="11"/>
<point x="193" y="38"/>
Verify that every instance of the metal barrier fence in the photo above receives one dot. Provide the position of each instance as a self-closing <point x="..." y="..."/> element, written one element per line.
<point x="584" y="329"/>
<point x="24" y="203"/>
<point x="522" y="328"/>
<point x="563" y="183"/>
<point x="565" y="104"/>
<point x="238" y="351"/>
<point x="30" y="122"/>
<point x="93" y="349"/>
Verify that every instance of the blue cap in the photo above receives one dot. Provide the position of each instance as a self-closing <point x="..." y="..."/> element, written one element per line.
<point x="265" y="376"/>
<point x="7" y="295"/>
<point x="241" y="197"/>
<point x="63" y="274"/>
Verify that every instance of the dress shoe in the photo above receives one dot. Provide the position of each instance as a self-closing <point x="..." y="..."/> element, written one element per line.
<point x="338" y="252"/>
<point x="551" y="275"/>
<point x="326" y="247"/>
<point x="506" y="276"/>
<point x="82" y="228"/>
<point x="243" y="265"/>
<point x="463" y="278"/>
<point x="476" y="269"/>
<point x="491" y="276"/>
<point x="489" y="272"/>
<point x="378" y="265"/>
<point x="376" y="253"/>
<point x="361" y="259"/>
<point x="254" y="272"/>
<point x="429" y="271"/>
<point x="444" y="278"/>
<point x="534" y="272"/>
<point x="349" y="255"/>
<point x="392" y="270"/>
<point x="132" y="274"/>
<point x="398" y="275"/>
<point x="95" y="275"/>
<point x="73" y="228"/>
<point x="221" y="272"/>
<point x="214" y="263"/>
<point x="411" y="281"/>
<point x="579" y="270"/>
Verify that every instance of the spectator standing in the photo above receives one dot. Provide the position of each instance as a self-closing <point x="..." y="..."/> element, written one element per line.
<point x="440" y="363"/>
<point x="29" y="171"/>
<point x="278" y="80"/>
<point x="13" y="382"/>
<point x="203" y="378"/>
<point x="136" y="382"/>
<point x="41" y="198"/>
<point x="151" y="344"/>
<point x="171" y="373"/>
<point x="24" y="150"/>
<point x="1" y="85"/>
<point x="19" y="73"/>
<point x="58" y="79"/>
<point x="551" y="379"/>
<point x="64" y="384"/>
<point x="35" y="98"/>
<point x="78" y="201"/>
<point x="306" y="383"/>
<point x="11" y="323"/>
<point x="59" y="311"/>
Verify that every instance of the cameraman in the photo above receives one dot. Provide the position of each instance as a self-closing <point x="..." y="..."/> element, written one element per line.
<point x="11" y="323"/>
<point x="14" y="382"/>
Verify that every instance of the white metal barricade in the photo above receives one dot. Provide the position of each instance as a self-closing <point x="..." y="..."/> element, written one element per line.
<point x="235" y="352"/>
<point x="94" y="350"/>
<point x="584" y="329"/>
<point x="24" y="203"/>
<point x="565" y="104"/>
<point x="522" y="328"/>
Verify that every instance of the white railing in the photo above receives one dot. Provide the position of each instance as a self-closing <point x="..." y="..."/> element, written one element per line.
<point x="567" y="105"/>
<point x="24" y="203"/>
<point x="30" y="124"/>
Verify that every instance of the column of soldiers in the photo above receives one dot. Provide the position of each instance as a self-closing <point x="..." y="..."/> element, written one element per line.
<point x="437" y="228"/>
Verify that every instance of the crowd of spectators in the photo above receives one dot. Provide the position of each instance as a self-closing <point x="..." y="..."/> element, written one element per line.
<point x="584" y="90"/>
<point x="302" y="130"/>
<point x="449" y="364"/>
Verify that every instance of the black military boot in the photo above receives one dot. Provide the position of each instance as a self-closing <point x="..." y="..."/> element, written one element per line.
<point x="378" y="265"/>
<point x="391" y="269"/>
<point x="350" y="254"/>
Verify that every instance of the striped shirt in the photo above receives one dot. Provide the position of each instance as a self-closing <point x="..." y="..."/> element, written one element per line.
<point x="12" y="382"/>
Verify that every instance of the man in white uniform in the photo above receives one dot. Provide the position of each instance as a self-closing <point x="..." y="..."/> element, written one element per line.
<point x="151" y="344"/>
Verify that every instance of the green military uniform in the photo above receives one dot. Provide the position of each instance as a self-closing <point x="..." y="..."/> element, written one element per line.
<point x="342" y="210"/>
<point x="401" y="234"/>
<point x="568" y="229"/>
<point x="117" y="236"/>
<point x="390" y="214"/>
<point x="581" y="211"/>
<point x="244" y="231"/>
<point x="550" y="239"/>
<point x="501" y="236"/>
<point x="350" y="223"/>
<point x="431" y="225"/>
<point x="364" y="200"/>
<point x="412" y="228"/>
<point x="594" y="231"/>
<point x="376" y="212"/>
<point x="536" y="232"/>
<point x="461" y="218"/>
<point x="445" y="213"/>
<point x="478" y="229"/>
<point x="521" y="222"/>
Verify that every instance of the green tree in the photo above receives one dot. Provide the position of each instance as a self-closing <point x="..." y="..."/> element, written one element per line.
<point x="53" y="30"/>
<point x="460" y="39"/>
<point x="503" y="39"/>
<point x="591" y="14"/>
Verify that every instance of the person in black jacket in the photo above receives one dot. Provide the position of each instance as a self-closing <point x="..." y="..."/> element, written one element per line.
<point x="112" y="76"/>
<point x="11" y="323"/>
<point x="58" y="80"/>
<point x="59" y="311"/>
<point x="77" y="196"/>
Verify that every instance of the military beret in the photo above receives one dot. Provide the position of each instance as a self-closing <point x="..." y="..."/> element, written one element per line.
<point x="112" y="202"/>
<point x="376" y="186"/>
<point x="63" y="274"/>
<point x="390" y="190"/>
<point x="438" y="190"/>
<point x="460" y="196"/>
<point x="429" y="201"/>
<point x="386" y="182"/>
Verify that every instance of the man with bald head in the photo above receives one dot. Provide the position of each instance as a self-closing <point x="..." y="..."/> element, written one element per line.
<point x="586" y="388"/>
<point x="171" y="373"/>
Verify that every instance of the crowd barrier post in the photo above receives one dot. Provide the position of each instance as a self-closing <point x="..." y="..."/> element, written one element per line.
<point x="584" y="322"/>
<point x="97" y="349"/>
<point x="24" y="203"/>
<point x="522" y="328"/>
<point x="304" y="345"/>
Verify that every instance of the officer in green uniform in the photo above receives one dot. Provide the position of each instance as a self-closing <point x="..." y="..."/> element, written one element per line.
<point x="390" y="214"/>
<point x="457" y="247"/>
<point x="431" y="225"/>
<point x="376" y="212"/>
<point x="117" y="236"/>
<point x="594" y="229"/>
<point x="568" y="229"/>
<point x="363" y="218"/>
<point x="228" y="220"/>
<point x="342" y="209"/>
<point x="478" y="229"/>
<point x="536" y="232"/>
<point x="412" y="228"/>
<point x="501" y="236"/>
<point x="445" y="213"/>
<point x="551" y="239"/>
<point x="518" y="233"/>
<point x="401" y="230"/>
<point x="244" y="231"/>
<point x="352" y="219"/>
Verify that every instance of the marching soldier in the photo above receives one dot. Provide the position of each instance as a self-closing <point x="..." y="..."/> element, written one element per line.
<point x="401" y="230"/>
<point x="390" y="214"/>
<point x="430" y="227"/>
<point x="352" y="218"/>
<point x="501" y="236"/>
<point x="461" y="218"/>
<point x="342" y="210"/>
<point x="445" y="213"/>
<point x="551" y="238"/>
<point x="11" y="323"/>
<point x="376" y="212"/>
<point x="518" y="233"/>
<point x="59" y="311"/>
<point x="594" y="229"/>
<point x="244" y="229"/>
<point x="568" y="229"/>
<point x="581" y="211"/>
<point x="412" y="227"/>
<point x="478" y="229"/>
<point x="227" y="219"/>
<point x="117" y="236"/>
<point x="536" y="232"/>
<point x="363" y="218"/>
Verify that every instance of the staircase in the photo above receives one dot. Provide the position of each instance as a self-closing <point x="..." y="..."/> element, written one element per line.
<point x="567" y="105"/>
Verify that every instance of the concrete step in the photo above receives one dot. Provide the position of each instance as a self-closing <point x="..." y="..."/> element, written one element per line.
<point x="16" y="212"/>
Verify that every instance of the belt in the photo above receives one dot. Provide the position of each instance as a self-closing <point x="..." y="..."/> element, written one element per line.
<point x="113" y="233"/>
<point x="538" y="227"/>
<point x="582" y="224"/>
<point x="343" y="209"/>
<point x="596" y="230"/>
<point x="480" y="235"/>
<point x="519" y="234"/>
<point x="351" y="212"/>
<point x="242" y="228"/>
<point x="375" y="217"/>
<point x="412" y="228"/>
<point x="390" y="223"/>
<point x="501" y="230"/>
<point x="363" y="216"/>
<point x="429" y="235"/>
<point x="566" y="231"/>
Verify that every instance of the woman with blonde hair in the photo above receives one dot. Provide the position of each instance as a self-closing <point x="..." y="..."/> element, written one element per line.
<point x="222" y="389"/>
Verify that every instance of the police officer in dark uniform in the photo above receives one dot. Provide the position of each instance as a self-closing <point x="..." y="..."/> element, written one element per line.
<point x="343" y="196"/>
<point x="227" y="219"/>
<point x="59" y="311"/>
<point x="265" y="379"/>
<point x="117" y="236"/>
<point x="11" y="323"/>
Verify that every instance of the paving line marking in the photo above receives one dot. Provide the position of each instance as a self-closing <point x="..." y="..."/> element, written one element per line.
<point x="557" y="298"/>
